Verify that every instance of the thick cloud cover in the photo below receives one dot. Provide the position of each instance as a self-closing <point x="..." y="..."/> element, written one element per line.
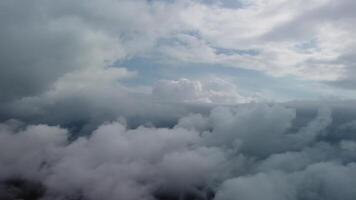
<point x="250" y="151"/>
<point x="43" y="40"/>
<point x="73" y="126"/>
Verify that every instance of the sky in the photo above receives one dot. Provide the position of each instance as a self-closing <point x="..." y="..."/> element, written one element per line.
<point x="177" y="99"/>
<point x="273" y="50"/>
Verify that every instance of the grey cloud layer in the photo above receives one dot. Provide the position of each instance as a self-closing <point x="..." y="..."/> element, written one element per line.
<point x="245" y="152"/>
<point x="43" y="40"/>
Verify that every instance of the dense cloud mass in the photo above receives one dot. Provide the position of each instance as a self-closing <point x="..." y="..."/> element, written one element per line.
<point x="251" y="151"/>
<point x="42" y="40"/>
<point x="138" y="100"/>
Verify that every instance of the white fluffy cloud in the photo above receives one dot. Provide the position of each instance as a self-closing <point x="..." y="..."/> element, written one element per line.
<point x="216" y="91"/>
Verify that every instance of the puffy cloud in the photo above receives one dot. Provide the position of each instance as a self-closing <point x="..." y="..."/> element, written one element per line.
<point x="255" y="129"/>
<point x="318" y="181"/>
<point x="30" y="149"/>
<point x="112" y="162"/>
<point x="260" y="186"/>
<point x="216" y="91"/>
<point x="222" y="153"/>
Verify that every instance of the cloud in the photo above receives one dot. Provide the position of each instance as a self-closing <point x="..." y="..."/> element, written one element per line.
<point x="311" y="183"/>
<point x="85" y="99"/>
<point x="38" y="48"/>
<point x="71" y="72"/>
<point x="82" y="40"/>
<point x="48" y="39"/>
<point x="216" y="91"/>
<point x="287" y="38"/>
<point x="73" y="125"/>
<point x="222" y="154"/>
<point x="260" y="186"/>
<point x="112" y="162"/>
<point x="51" y="41"/>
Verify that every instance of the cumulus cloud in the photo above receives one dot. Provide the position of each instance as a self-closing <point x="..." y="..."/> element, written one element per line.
<point x="220" y="155"/>
<point x="216" y="91"/>
<point x="113" y="162"/>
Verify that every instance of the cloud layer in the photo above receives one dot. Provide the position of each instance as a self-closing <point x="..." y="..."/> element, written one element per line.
<point x="246" y="152"/>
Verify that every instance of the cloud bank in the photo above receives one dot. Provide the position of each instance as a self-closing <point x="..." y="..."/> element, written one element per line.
<point x="247" y="152"/>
